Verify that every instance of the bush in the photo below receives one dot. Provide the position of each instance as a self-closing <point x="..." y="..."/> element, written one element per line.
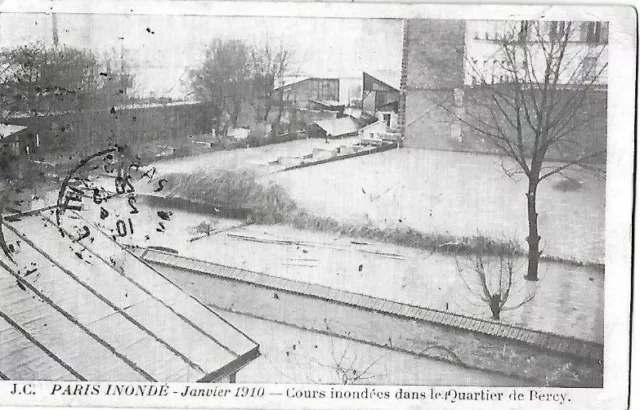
<point x="271" y="204"/>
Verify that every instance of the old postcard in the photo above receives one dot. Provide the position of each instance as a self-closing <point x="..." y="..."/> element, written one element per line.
<point x="315" y="205"/>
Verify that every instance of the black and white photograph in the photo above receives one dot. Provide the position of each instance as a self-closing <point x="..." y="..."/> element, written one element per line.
<point x="316" y="200"/>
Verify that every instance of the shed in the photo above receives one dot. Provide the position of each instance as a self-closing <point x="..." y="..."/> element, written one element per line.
<point x="328" y="105"/>
<point x="11" y="135"/>
<point x="335" y="128"/>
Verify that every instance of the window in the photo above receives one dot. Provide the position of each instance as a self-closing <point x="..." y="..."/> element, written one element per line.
<point x="326" y="90"/>
<point x="589" y="69"/>
<point x="594" y="32"/>
<point x="557" y="30"/>
<point x="387" y="119"/>
<point x="524" y="31"/>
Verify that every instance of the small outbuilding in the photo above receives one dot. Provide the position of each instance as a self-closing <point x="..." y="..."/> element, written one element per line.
<point x="335" y="128"/>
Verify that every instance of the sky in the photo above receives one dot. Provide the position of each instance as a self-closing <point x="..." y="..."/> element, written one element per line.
<point x="162" y="48"/>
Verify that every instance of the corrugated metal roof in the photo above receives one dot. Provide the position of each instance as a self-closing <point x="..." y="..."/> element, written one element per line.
<point x="96" y="312"/>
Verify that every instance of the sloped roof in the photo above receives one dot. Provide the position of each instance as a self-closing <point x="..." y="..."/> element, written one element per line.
<point x="327" y="103"/>
<point x="290" y="81"/>
<point x="90" y="310"/>
<point x="9" y="129"/>
<point x="392" y="79"/>
<point x="390" y="106"/>
<point x="296" y="80"/>
<point x="339" y="126"/>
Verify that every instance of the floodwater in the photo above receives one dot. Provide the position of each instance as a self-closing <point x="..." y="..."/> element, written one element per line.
<point x="441" y="192"/>
<point x="461" y="194"/>
<point x="319" y="358"/>
<point x="565" y="295"/>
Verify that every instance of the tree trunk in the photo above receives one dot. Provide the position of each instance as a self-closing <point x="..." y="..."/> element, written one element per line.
<point x="276" y="123"/>
<point x="533" y="239"/>
<point x="267" y="106"/>
<point x="237" y="107"/>
<point x="495" y="306"/>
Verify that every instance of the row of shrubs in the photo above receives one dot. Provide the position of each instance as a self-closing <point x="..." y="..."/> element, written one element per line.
<point x="271" y="204"/>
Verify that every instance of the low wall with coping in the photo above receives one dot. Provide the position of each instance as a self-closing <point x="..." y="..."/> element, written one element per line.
<point x="383" y="324"/>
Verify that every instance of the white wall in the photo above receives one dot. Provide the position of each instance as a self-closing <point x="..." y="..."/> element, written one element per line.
<point x="484" y="55"/>
<point x="394" y="118"/>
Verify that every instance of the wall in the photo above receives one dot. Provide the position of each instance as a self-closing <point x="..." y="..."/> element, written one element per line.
<point x="376" y="93"/>
<point x="434" y="76"/>
<point x="393" y="125"/>
<point x="586" y="132"/>
<point x="86" y="131"/>
<point x="372" y="130"/>
<point x="484" y="47"/>
<point x="433" y="65"/>
<point x="298" y="94"/>
<point x="417" y="336"/>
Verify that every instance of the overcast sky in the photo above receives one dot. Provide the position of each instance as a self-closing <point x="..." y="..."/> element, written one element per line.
<point x="162" y="48"/>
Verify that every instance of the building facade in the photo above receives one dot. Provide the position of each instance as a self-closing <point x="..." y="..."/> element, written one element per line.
<point x="307" y="94"/>
<point x="446" y="64"/>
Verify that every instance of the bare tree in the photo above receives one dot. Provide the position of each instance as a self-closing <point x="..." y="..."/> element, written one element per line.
<point x="532" y="101"/>
<point x="344" y="363"/>
<point x="271" y="64"/>
<point x="492" y="279"/>
<point x="223" y="80"/>
<point x="38" y="79"/>
<point x="348" y="366"/>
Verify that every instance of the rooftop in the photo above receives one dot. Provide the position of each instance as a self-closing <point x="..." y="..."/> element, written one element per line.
<point x="339" y="126"/>
<point x="90" y="310"/>
<point x="296" y="80"/>
<point x="392" y="79"/>
<point x="327" y="103"/>
<point x="10" y="129"/>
